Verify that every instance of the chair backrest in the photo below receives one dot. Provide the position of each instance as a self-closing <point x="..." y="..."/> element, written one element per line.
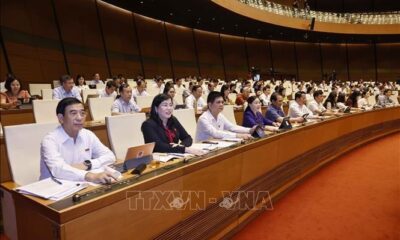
<point x="372" y="100"/>
<point x="188" y="120"/>
<point x="144" y="101"/>
<point x="56" y="83"/>
<point x="47" y="94"/>
<point x="100" y="108"/>
<point x="44" y="111"/>
<point x="36" y="88"/>
<point x="23" y="150"/>
<point x="232" y="96"/>
<point x="124" y="131"/>
<point x="229" y="113"/>
<point x="394" y="99"/>
<point x="86" y="92"/>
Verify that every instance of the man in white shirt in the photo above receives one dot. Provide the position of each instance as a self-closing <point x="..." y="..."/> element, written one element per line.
<point x="179" y="87"/>
<point x="298" y="108"/>
<point x="212" y="124"/>
<point x="125" y="103"/>
<point x="384" y="99"/>
<point x="67" y="89"/>
<point x="316" y="106"/>
<point x="159" y="84"/>
<point x="109" y="90"/>
<point x="140" y="89"/>
<point x="266" y="95"/>
<point x="195" y="100"/>
<point x="96" y="79"/>
<point x="210" y="88"/>
<point x="69" y="152"/>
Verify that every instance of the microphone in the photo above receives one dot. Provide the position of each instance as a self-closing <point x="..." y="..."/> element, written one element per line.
<point x="139" y="169"/>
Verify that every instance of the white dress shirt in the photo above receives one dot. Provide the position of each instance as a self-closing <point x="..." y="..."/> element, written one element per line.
<point x="136" y="93"/>
<point x="362" y="102"/>
<point x="120" y="106"/>
<point x="295" y="110"/>
<point x="265" y="99"/>
<point x="103" y="93"/>
<point x="209" y="127"/>
<point x="59" y="151"/>
<point x="314" y="107"/>
<point x="179" y="89"/>
<point x="160" y="89"/>
<point x="60" y="93"/>
<point x="189" y="102"/>
<point x="82" y="87"/>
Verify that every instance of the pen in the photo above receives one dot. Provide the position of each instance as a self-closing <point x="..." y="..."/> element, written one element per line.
<point x="209" y="142"/>
<point x="55" y="180"/>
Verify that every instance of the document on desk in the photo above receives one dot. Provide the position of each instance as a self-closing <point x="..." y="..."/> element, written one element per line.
<point x="50" y="189"/>
<point x="165" y="157"/>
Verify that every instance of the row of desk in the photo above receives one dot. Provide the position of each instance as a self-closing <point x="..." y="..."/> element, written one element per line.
<point x="147" y="207"/>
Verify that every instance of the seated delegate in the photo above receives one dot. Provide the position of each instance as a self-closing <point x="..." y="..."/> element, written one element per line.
<point x="252" y="116"/>
<point x="165" y="130"/>
<point x="67" y="89"/>
<point x="213" y="124"/>
<point x="125" y="103"/>
<point x="69" y="152"/>
<point x="10" y="98"/>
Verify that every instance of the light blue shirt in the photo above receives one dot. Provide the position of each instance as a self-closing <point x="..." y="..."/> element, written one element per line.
<point x="120" y="106"/>
<point x="60" y="93"/>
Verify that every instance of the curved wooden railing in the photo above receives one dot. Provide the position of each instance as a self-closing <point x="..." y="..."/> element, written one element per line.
<point x="304" y="24"/>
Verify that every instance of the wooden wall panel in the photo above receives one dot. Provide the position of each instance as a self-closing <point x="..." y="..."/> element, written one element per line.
<point x="235" y="58"/>
<point x="153" y="44"/>
<point x="361" y="61"/>
<point x="334" y="58"/>
<point x="309" y="61"/>
<point x="259" y="54"/>
<point x="183" y="51"/>
<point x="31" y="40"/>
<point x="81" y="33"/>
<point x="388" y="57"/>
<point x="3" y="65"/>
<point x="284" y="57"/>
<point x="120" y="38"/>
<point x="210" y="59"/>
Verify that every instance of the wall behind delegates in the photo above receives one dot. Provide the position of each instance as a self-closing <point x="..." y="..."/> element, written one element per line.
<point x="388" y="61"/>
<point x="259" y="54"/>
<point x="183" y="52"/>
<point x="283" y="55"/>
<point x="154" y="48"/>
<point x="235" y="57"/>
<point x="31" y="40"/>
<point x="334" y="58"/>
<point x="80" y="29"/>
<point x="361" y="62"/>
<point x="120" y="40"/>
<point x="309" y="61"/>
<point x="209" y="52"/>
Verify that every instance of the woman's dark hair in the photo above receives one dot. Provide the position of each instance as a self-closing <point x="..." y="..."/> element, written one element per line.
<point x="250" y="100"/>
<point x="77" y="80"/>
<point x="223" y="89"/>
<point x="213" y="95"/>
<point x="8" y="82"/>
<point x="331" y="98"/>
<point x="167" y="88"/>
<point x="122" y="87"/>
<point x="156" y="102"/>
<point x="64" y="103"/>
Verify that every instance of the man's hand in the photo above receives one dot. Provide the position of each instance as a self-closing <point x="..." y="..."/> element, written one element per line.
<point x="103" y="177"/>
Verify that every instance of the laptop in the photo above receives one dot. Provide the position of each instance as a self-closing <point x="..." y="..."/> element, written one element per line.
<point x="136" y="156"/>
<point x="285" y="124"/>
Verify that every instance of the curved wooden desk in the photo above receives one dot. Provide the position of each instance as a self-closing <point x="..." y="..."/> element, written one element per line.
<point x="274" y="164"/>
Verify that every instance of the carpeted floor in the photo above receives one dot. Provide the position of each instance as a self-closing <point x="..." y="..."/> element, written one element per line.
<point x="355" y="197"/>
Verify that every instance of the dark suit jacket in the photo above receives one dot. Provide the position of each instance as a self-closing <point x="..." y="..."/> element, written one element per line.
<point x="154" y="132"/>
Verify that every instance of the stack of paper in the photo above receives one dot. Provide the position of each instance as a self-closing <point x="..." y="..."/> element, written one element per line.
<point x="50" y="189"/>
